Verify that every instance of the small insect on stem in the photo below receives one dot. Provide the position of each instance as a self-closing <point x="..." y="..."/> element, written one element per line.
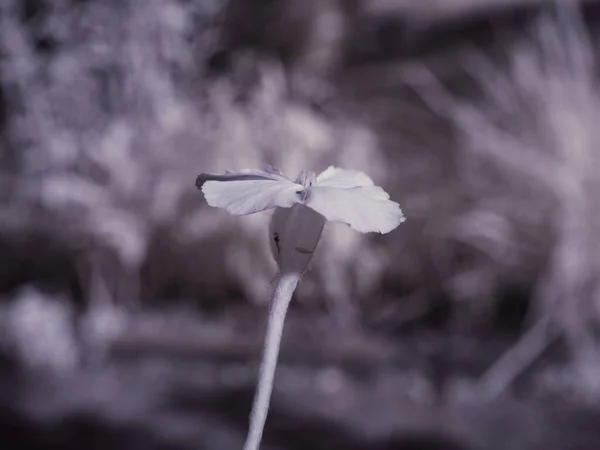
<point x="301" y="209"/>
<point x="276" y="239"/>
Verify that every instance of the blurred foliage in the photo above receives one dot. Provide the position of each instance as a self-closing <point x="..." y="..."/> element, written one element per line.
<point x="110" y="115"/>
<point x="109" y="110"/>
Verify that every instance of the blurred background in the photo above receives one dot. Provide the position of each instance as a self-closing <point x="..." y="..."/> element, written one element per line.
<point x="132" y="314"/>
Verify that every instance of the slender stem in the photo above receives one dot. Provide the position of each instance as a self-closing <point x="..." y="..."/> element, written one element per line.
<point x="285" y="284"/>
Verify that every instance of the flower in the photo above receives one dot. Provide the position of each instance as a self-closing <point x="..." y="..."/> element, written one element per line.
<point x="301" y="209"/>
<point x="339" y="195"/>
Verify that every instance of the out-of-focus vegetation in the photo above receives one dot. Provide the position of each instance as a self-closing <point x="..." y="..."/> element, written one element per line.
<point x="480" y="120"/>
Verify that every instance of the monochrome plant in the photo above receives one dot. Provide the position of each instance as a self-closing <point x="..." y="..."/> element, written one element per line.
<point x="302" y="208"/>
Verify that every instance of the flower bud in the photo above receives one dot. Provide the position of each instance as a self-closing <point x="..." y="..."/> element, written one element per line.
<point x="294" y="235"/>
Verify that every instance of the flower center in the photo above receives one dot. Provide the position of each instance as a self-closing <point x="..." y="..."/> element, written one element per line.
<point x="306" y="178"/>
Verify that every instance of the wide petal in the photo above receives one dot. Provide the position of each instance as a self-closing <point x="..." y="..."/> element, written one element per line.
<point x="249" y="191"/>
<point x="363" y="208"/>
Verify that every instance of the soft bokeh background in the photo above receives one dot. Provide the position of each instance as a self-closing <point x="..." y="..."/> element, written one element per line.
<point x="132" y="314"/>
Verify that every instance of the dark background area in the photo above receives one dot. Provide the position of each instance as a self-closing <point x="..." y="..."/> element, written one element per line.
<point x="132" y="314"/>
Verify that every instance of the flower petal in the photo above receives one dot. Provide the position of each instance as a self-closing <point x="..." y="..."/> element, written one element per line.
<point x="249" y="191"/>
<point x="364" y="208"/>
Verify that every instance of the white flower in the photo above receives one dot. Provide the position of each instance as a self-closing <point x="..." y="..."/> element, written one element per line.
<point x="301" y="209"/>
<point x="339" y="195"/>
